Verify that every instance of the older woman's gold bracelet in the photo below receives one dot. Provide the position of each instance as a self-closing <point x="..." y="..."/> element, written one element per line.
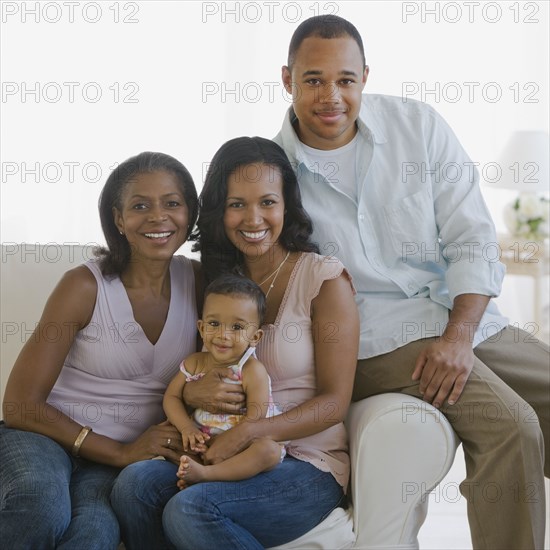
<point x="79" y="440"/>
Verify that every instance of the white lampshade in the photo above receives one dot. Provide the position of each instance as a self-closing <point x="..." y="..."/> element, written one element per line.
<point x="525" y="162"/>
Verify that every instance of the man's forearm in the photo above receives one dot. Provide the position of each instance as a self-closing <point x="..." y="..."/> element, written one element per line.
<point x="465" y="316"/>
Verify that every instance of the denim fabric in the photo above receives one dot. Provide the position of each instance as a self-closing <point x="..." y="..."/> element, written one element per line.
<point x="50" y="500"/>
<point x="138" y="498"/>
<point x="269" y="509"/>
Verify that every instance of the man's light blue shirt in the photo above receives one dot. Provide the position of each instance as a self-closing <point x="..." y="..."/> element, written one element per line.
<point x="419" y="234"/>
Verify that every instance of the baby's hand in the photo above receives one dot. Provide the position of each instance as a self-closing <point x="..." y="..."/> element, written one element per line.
<point x="194" y="440"/>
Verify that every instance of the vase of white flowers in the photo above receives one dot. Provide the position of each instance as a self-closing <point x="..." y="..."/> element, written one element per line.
<point x="527" y="217"/>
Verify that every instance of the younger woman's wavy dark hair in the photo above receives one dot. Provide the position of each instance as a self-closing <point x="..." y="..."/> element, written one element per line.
<point x="218" y="254"/>
<point x="115" y="258"/>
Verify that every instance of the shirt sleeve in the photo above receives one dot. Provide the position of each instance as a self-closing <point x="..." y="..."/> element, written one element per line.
<point x="466" y="230"/>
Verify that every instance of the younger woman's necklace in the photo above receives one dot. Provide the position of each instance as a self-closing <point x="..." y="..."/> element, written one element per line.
<point x="274" y="275"/>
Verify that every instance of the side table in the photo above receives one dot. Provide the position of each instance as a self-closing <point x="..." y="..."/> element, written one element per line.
<point x="531" y="259"/>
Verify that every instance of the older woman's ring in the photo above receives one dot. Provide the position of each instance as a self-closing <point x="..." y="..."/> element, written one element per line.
<point x="168" y="441"/>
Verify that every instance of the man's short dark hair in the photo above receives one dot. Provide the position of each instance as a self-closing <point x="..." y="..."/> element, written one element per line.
<point x="235" y="285"/>
<point x="323" y="26"/>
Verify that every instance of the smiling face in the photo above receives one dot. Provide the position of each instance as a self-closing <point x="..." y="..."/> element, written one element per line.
<point x="229" y="325"/>
<point x="326" y="82"/>
<point x="154" y="216"/>
<point x="254" y="209"/>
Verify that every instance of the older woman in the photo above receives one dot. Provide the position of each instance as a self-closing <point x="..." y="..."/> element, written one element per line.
<point x="252" y="222"/>
<point x="79" y="408"/>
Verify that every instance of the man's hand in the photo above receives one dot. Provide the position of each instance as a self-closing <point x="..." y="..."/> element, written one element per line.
<point x="213" y="394"/>
<point x="443" y="368"/>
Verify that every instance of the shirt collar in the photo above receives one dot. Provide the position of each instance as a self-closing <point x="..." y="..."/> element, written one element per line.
<point x="367" y="123"/>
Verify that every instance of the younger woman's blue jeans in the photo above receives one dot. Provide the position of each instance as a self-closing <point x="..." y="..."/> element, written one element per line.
<point x="271" y="508"/>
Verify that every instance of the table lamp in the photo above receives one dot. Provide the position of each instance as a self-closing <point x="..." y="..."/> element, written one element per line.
<point x="525" y="168"/>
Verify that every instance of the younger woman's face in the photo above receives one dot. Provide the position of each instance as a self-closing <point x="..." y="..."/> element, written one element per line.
<point x="254" y="208"/>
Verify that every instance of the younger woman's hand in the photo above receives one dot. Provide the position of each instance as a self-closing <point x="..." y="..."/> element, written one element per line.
<point x="213" y="394"/>
<point x="227" y="444"/>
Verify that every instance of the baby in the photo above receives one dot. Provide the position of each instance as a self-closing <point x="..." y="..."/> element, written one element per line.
<point x="233" y="311"/>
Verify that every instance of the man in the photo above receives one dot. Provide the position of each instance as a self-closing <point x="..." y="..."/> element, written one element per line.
<point x="394" y="196"/>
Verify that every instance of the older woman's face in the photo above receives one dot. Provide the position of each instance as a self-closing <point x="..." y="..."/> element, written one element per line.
<point x="254" y="208"/>
<point x="154" y="216"/>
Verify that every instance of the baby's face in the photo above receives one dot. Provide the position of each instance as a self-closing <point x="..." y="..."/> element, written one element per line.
<point x="228" y="326"/>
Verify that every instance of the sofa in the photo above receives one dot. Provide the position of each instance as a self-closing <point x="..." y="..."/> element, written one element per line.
<point x="400" y="447"/>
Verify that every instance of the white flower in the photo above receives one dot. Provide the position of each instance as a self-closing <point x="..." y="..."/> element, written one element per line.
<point x="527" y="217"/>
<point x="531" y="207"/>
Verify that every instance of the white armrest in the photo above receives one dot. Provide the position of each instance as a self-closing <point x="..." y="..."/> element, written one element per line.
<point x="334" y="532"/>
<point x="400" y="448"/>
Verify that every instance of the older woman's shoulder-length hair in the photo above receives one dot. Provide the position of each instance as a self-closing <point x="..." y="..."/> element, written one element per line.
<point x="116" y="256"/>
<point x="218" y="255"/>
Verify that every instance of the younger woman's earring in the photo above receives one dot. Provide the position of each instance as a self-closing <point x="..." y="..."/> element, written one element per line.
<point x="121" y="232"/>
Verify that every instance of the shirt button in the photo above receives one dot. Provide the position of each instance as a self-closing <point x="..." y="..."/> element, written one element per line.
<point x="361" y="217"/>
<point x="411" y="286"/>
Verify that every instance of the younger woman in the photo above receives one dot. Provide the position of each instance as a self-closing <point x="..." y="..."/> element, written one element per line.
<point x="252" y="222"/>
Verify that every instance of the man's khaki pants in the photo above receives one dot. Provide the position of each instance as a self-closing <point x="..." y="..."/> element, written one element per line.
<point x="502" y="419"/>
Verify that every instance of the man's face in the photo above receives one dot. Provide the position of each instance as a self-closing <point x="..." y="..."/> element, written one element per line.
<point x="326" y="83"/>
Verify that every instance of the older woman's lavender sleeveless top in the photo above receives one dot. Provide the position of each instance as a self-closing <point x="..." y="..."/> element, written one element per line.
<point x="114" y="378"/>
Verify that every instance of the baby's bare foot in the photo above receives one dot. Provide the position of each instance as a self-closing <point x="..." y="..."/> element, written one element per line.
<point x="190" y="471"/>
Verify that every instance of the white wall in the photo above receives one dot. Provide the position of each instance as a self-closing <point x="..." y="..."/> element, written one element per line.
<point x="165" y="71"/>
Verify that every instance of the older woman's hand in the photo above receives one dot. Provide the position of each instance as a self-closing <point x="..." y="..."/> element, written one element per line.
<point x="211" y="393"/>
<point x="158" y="440"/>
